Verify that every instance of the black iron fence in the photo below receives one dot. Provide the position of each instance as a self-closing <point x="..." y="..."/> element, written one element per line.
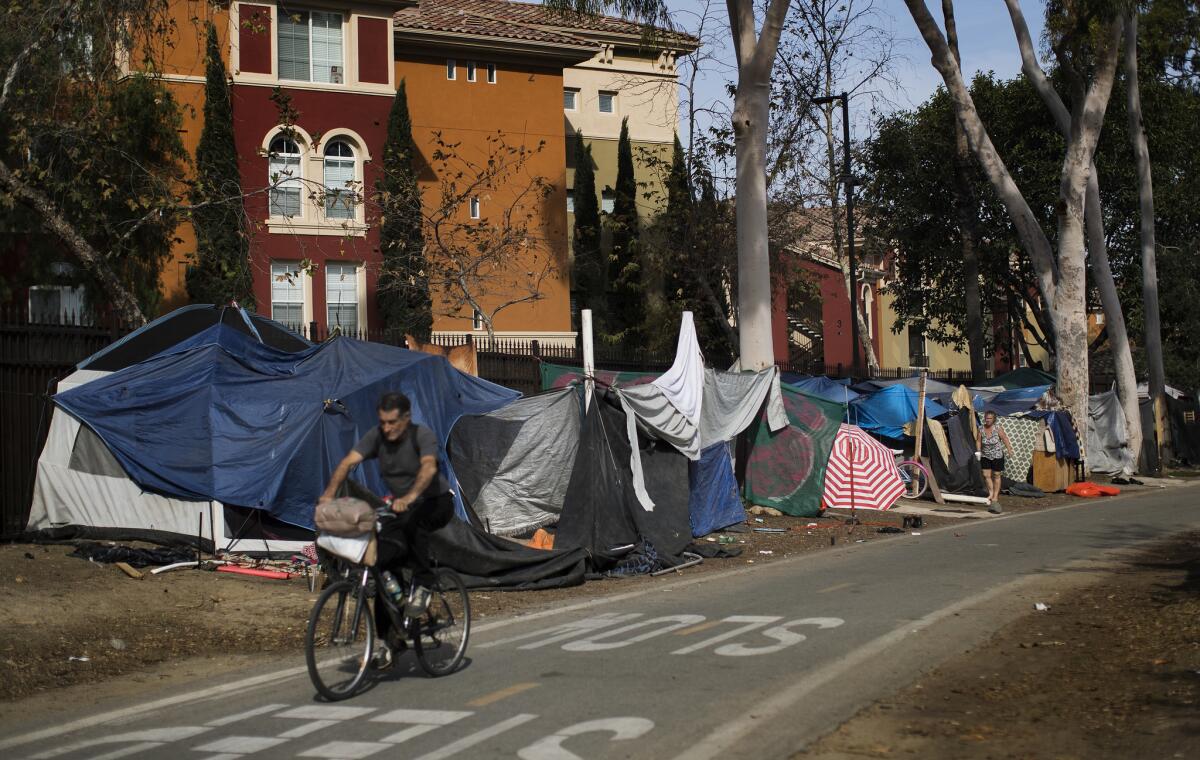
<point x="33" y="358"/>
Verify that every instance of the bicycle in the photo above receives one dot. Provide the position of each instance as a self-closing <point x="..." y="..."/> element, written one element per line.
<point x="913" y="474"/>
<point x="340" y="642"/>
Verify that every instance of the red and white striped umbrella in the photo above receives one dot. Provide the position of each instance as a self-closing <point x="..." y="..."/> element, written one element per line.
<point x="861" y="473"/>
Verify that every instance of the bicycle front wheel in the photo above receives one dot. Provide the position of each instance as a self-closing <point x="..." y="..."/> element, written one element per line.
<point x="340" y="638"/>
<point x="915" y="477"/>
<point x="440" y="633"/>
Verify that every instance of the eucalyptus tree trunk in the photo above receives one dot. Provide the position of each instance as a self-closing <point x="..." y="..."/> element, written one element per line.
<point x="1118" y="333"/>
<point x="968" y="227"/>
<point x="1141" y="152"/>
<point x="751" y="110"/>
<point x="1061" y="279"/>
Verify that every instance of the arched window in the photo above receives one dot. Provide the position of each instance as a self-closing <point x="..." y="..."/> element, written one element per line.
<point x="339" y="180"/>
<point x="284" y="176"/>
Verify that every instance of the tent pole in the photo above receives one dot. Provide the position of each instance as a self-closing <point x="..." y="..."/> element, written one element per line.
<point x="589" y="359"/>
<point x="920" y="414"/>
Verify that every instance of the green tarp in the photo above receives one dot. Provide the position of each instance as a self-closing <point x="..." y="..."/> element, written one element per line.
<point x="786" y="470"/>
<point x="556" y="376"/>
<point x="1025" y="377"/>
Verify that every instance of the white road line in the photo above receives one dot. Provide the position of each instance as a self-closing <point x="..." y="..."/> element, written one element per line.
<point x="127" y="751"/>
<point x="244" y="715"/>
<point x="478" y="737"/>
<point x="431" y="717"/>
<point x="345" y="750"/>
<point x="326" y="712"/>
<point x="240" y="745"/>
<point x="307" y="728"/>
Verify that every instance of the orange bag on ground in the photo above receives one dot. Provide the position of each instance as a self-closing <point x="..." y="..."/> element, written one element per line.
<point x="1088" y="490"/>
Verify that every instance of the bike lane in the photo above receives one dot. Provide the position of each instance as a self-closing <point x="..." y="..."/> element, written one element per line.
<point x="746" y="664"/>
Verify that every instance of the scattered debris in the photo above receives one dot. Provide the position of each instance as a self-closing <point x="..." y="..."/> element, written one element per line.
<point x="890" y="529"/>
<point x="765" y="551"/>
<point x="1041" y="607"/>
<point x="770" y="530"/>
<point x="73" y="658"/>
<point x="765" y="511"/>
<point x="124" y="567"/>
<point x="757" y="520"/>
<point x="914" y="533"/>
<point x="117" y="644"/>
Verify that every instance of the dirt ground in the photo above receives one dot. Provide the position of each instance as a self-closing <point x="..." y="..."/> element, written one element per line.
<point x="60" y="609"/>
<point x="1111" y="670"/>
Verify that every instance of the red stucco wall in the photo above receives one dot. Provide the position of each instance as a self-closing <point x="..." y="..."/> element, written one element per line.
<point x="254" y="39"/>
<point x="373" y="59"/>
<point x="254" y="116"/>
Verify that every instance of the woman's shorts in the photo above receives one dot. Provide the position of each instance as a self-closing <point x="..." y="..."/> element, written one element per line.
<point x="995" y="465"/>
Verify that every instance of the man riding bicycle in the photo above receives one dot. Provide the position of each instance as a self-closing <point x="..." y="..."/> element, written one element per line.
<point x="421" y="497"/>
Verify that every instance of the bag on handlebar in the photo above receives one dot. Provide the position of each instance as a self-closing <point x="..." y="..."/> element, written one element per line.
<point x="345" y="517"/>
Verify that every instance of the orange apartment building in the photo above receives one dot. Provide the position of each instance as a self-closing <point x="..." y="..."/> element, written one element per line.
<point x="471" y="67"/>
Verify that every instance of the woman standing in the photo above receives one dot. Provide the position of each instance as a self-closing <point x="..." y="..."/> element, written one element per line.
<point x="993" y="443"/>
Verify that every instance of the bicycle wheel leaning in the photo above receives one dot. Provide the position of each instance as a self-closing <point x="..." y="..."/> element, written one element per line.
<point x="915" y="477"/>
<point x="440" y="633"/>
<point x="340" y="639"/>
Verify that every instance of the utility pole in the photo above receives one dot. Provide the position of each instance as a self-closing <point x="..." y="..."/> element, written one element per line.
<point x="848" y="180"/>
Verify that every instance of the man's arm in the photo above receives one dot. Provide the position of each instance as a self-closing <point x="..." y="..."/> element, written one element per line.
<point x="348" y="463"/>
<point x="424" y="477"/>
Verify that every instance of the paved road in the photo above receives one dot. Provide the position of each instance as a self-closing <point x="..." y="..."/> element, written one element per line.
<point x="752" y="663"/>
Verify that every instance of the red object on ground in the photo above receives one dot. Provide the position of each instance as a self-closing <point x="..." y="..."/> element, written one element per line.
<point x="1089" y="490"/>
<point x="278" y="575"/>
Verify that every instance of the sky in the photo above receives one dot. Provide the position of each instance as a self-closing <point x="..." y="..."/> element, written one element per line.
<point x="985" y="33"/>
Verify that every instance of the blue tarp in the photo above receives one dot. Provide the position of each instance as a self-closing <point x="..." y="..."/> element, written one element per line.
<point x="822" y="387"/>
<point x="238" y="422"/>
<point x="1012" y="401"/>
<point x="1066" y="443"/>
<point x="888" y="411"/>
<point x="713" y="492"/>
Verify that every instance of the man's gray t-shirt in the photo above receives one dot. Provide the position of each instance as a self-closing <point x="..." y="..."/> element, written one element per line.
<point x="400" y="461"/>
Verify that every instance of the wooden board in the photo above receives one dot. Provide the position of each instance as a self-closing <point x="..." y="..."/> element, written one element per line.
<point x="933" y="484"/>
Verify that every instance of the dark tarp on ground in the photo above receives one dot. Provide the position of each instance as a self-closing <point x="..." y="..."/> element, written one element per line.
<point x="180" y="327"/>
<point x="962" y="474"/>
<point x="714" y="492"/>
<point x="598" y="510"/>
<point x="1024" y="377"/>
<point x="243" y="424"/>
<point x="486" y="561"/>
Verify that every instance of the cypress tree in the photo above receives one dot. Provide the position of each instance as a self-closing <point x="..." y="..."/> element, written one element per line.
<point x="403" y="292"/>
<point x="625" y="271"/>
<point x="676" y="223"/>
<point x="591" y="267"/>
<point x="221" y="269"/>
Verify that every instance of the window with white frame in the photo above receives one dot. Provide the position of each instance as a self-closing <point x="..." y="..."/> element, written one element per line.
<point x="474" y="208"/>
<point x="608" y="201"/>
<point x="470" y="71"/>
<point x="310" y="45"/>
<point x="607" y="102"/>
<point x="58" y="304"/>
<point x="570" y="100"/>
<point x="287" y="293"/>
<point x="570" y="201"/>
<point x="491" y="73"/>
<point x="341" y="296"/>
<point x="283" y="176"/>
<point x="339" y="180"/>
<point x="451" y="69"/>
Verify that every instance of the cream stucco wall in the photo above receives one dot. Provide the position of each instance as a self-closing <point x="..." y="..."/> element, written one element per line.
<point x="895" y="345"/>
<point x="646" y="92"/>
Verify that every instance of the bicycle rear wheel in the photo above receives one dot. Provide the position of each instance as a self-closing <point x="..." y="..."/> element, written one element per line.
<point x="340" y="639"/>
<point x="915" y="477"/>
<point x="440" y="633"/>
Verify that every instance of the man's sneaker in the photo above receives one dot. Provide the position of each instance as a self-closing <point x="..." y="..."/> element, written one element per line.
<point x="382" y="659"/>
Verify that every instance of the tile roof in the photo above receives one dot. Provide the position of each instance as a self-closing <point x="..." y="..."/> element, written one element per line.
<point x="516" y="21"/>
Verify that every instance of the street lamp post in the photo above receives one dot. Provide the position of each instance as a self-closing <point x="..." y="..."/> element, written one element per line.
<point x="848" y="180"/>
